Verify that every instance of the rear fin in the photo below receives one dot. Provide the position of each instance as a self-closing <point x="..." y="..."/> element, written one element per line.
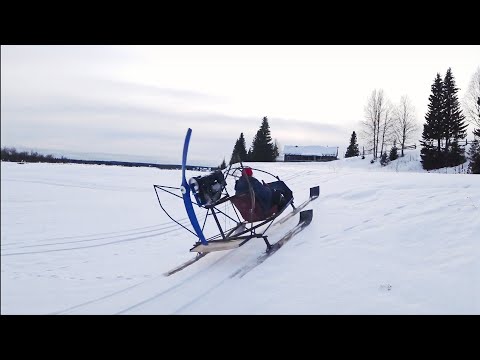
<point x="315" y="192"/>
<point x="306" y="217"/>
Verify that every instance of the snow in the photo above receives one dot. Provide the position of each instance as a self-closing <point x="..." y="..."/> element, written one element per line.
<point x="89" y="239"/>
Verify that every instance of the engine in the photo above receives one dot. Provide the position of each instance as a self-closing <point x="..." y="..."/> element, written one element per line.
<point x="207" y="189"/>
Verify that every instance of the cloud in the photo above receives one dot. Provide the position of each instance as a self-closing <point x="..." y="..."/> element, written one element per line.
<point x="142" y="89"/>
<point x="109" y="127"/>
<point x="110" y="116"/>
<point x="121" y="100"/>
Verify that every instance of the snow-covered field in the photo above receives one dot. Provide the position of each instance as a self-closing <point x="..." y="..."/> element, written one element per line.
<point x="85" y="239"/>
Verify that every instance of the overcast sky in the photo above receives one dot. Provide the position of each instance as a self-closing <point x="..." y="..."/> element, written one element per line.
<point x="136" y="102"/>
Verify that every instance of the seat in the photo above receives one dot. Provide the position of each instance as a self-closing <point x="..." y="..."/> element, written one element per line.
<point x="243" y="202"/>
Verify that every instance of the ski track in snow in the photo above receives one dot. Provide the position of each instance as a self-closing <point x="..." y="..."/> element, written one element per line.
<point x="205" y="273"/>
<point x="124" y="234"/>
<point x="86" y="186"/>
<point x="169" y="291"/>
<point x="187" y="282"/>
<point x="174" y="228"/>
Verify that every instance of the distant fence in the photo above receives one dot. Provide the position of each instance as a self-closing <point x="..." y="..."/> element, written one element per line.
<point x="406" y="147"/>
<point x="459" y="169"/>
<point x="461" y="143"/>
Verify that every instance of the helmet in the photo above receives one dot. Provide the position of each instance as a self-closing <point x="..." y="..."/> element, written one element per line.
<point x="247" y="171"/>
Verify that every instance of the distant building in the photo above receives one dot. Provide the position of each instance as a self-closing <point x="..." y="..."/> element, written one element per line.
<point x="310" y="153"/>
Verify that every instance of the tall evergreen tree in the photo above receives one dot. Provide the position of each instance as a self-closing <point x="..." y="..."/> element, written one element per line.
<point x="239" y="152"/>
<point x="352" y="149"/>
<point x="242" y="149"/>
<point x="474" y="153"/>
<point x="234" y="158"/>
<point x="433" y="129"/>
<point x="474" y="156"/>
<point x="455" y="127"/>
<point x="262" y="146"/>
<point x="276" y="152"/>
<point x="435" y="116"/>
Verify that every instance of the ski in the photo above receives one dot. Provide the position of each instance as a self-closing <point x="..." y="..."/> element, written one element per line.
<point x="185" y="264"/>
<point x="305" y="219"/>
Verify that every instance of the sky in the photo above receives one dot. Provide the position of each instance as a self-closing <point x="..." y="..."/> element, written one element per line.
<point x="86" y="239"/>
<point x="135" y="103"/>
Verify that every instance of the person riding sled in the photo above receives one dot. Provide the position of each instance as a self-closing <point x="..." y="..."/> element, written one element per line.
<point x="267" y="196"/>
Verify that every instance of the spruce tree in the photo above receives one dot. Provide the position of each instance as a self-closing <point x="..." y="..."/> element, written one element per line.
<point x="474" y="156"/>
<point x="262" y="147"/>
<point x="242" y="149"/>
<point x="234" y="158"/>
<point x="239" y="152"/>
<point x="384" y="160"/>
<point x="455" y="127"/>
<point x="276" y="152"/>
<point x="474" y="152"/>
<point x="433" y="129"/>
<point x="393" y="153"/>
<point x="352" y="149"/>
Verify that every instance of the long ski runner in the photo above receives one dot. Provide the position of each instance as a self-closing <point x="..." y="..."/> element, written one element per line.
<point x="185" y="264"/>
<point x="305" y="219"/>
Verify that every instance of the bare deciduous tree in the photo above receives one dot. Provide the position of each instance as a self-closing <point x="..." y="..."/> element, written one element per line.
<point x="405" y="124"/>
<point x="387" y="126"/>
<point x="470" y="101"/>
<point x="372" y="125"/>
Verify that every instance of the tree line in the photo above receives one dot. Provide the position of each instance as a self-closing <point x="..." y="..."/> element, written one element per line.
<point x="446" y="125"/>
<point x="263" y="148"/>
<point x="11" y="154"/>
<point x="394" y="125"/>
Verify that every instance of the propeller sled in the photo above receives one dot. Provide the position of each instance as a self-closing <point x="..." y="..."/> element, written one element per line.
<point x="246" y="217"/>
